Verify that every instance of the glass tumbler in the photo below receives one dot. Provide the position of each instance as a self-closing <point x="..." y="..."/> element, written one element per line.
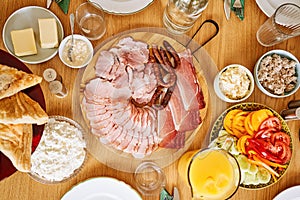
<point x="282" y="25"/>
<point x="149" y="178"/>
<point x="180" y="15"/>
<point x="90" y="19"/>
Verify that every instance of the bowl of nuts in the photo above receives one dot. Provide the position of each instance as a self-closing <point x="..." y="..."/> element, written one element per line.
<point x="276" y="73"/>
<point x="234" y="83"/>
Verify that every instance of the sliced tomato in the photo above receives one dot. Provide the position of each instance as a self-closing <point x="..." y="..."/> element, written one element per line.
<point x="278" y="153"/>
<point x="281" y="136"/>
<point x="271" y="122"/>
<point x="280" y="150"/>
<point x="288" y="155"/>
<point x="263" y="148"/>
<point x="258" y="117"/>
<point x="266" y="133"/>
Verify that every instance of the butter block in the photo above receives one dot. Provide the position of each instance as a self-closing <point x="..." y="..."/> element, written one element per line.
<point x="23" y="42"/>
<point x="48" y="33"/>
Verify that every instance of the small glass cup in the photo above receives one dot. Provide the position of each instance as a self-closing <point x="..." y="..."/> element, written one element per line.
<point x="282" y="25"/>
<point x="149" y="178"/>
<point x="180" y="15"/>
<point x="90" y="19"/>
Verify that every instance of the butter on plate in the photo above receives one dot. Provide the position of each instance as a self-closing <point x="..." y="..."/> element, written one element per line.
<point x="48" y="33"/>
<point x="23" y="42"/>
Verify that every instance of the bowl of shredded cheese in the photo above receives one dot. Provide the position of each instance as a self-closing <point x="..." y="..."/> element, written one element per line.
<point x="276" y="73"/>
<point x="234" y="83"/>
<point x="61" y="152"/>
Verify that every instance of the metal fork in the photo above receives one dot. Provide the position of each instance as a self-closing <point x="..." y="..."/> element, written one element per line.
<point x="70" y="50"/>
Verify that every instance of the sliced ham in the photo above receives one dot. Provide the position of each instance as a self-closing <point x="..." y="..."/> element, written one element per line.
<point x="123" y="75"/>
<point x="104" y="65"/>
<point x="99" y="89"/>
<point x="165" y="122"/>
<point x="188" y="84"/>
<point x="114" y="133"/>
<point x="133" y="53"/>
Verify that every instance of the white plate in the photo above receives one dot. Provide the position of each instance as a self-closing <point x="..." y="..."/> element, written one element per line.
<point x="292" y="193"/>
<point x="102" y="188"/>
<point x="269" y="6"/>
<point x="123" y="6"/>
<point x="27" y="17"/>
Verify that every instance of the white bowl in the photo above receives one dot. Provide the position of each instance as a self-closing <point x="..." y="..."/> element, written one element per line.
<point x="59" y="173"/>
<point x="226" y="98"/>
<point x="84" y="53"/>
<point x="282" y="53"/>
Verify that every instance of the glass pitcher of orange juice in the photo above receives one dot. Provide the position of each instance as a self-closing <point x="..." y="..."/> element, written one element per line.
<point x="212" y="173"/>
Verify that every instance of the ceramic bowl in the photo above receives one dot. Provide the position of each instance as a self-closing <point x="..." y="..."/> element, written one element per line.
<point x="64" y="149"/>
<point x="82" y="51"/>
<point x="236" y="85"/>
<point x="264" y="89"/>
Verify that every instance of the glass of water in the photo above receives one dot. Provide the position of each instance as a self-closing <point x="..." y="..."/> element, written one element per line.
<point x="180" y="15"/>
<point x="282" y="25"/>
<point x="90" y="19"/>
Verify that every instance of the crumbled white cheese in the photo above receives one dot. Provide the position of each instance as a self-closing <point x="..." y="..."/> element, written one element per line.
<point x="80" y="52"/>
<point x="60" y="152"/>
<point x="234" y="83"/>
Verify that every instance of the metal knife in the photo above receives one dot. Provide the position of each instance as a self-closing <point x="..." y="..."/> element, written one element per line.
<point x="176" y="195"/>
<point x="227" y="8"/>
<point x="49" y="2"/>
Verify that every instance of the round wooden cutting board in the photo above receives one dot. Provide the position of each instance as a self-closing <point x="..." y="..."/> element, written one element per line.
<point x="162" y="156"/>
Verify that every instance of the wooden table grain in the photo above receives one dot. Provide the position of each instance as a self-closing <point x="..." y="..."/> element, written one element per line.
<point x="235" y="43"/>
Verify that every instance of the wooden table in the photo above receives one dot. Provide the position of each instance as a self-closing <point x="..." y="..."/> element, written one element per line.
<point x="235" y="43"/>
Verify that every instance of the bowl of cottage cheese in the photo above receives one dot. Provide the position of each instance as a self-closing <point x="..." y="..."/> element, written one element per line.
<point x="276" y="73"/>
<point x="82" y="52"/>
<point x="61" y="152"/>
<point x="234" y="83"/>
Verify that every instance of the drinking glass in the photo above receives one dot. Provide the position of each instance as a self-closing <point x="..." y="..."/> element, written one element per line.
<point x="149" y="178"/>
<point x="282" y="25"/>
<point x="180" y="15"/>
<point x="90" y="19"/>
<point x="212" y="173"/>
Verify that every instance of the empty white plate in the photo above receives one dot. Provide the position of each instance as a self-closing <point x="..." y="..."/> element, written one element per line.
<point x="102" y="188"/>
<point x="269" y="6"/>
<point x="123" y="6"/>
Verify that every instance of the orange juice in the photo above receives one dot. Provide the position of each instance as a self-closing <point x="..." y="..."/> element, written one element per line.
<point x="211" y="173"/>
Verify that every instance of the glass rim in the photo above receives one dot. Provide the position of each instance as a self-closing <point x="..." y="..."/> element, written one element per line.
<point x="230" y="156"/>
<point x="279" y="8"/>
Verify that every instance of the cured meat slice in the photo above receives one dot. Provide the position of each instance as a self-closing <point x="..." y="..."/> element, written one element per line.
<point x="117" y="101"/>
<point x="104" y="65"/>
<point x="133" y="53"/>
<point x="187" y="83"/>
<point x="98" y="89"/>
<point x="113" y="134"/>
<point x="165" y="122"/>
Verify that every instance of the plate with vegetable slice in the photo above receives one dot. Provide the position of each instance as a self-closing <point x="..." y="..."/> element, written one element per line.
<point x="262" y="142"/>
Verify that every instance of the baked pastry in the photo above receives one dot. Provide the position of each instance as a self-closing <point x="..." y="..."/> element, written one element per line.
<point x="21" y="109"/>
<point x="15" y="143"/>
<point x="12" y="81"/>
